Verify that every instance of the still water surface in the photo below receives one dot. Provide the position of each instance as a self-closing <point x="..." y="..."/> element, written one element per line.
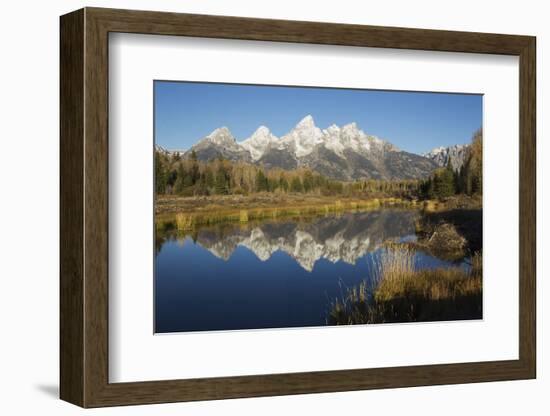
<point x="271" y="274"/>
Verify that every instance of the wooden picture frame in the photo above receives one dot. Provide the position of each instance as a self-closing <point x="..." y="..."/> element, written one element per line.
<point x="84" y="207"/>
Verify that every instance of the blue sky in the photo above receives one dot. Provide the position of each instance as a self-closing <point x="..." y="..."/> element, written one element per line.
<point x="416" y="122"/>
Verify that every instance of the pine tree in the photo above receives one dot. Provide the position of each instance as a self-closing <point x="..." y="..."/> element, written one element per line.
<point x="283" y="183"/>
<point x="210" y="181"/>
<point x="308" y="181"/>
<point x="200" y="186"/>
<point x="188" y="181"/>
<point x="471" y="176"/>
<point x="449" y="179"/>
<point x="194" y="170"/>
<point x="161" y="176"/>
<point x="221" y="182"/>
<point x="179" y="185"/>
<point x="262" y="184"/>
<point x="296" y="185"/>
<point x="443" y="185"/>
<point x="475" y="162"/>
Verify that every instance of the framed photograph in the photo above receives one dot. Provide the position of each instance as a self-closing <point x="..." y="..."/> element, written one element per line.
<point x="255" y="207"/>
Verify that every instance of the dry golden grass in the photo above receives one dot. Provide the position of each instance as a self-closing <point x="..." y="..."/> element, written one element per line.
<point x="243" y="216"/>
<point x="184" y="222"/>
<point x="404" y="294"/>
<point x="187" y="213"/>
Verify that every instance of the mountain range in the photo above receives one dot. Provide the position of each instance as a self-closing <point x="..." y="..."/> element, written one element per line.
<point x="346" y="238"/>
<point x="455" y="154"/>
<point x="343" y="153"/>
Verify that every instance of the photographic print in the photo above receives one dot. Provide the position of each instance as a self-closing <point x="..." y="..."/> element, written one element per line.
<point x="289" y="206"/>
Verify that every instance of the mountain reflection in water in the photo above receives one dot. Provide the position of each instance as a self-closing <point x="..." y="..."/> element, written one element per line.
<point x="270" y="274"/>
<point x="346" y="237"/>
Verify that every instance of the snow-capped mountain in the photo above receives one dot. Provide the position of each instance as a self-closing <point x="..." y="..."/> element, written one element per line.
<point x="259" y="142"/>
<point x="441" y="155"/>
<point x="220" y="143"/>
<point x="336" y="239"/>
<point x="303" y="137"/>
<point x="344" y="153"/>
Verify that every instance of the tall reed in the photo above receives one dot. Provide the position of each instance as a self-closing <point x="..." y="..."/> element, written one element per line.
<point x="401" y="292"/>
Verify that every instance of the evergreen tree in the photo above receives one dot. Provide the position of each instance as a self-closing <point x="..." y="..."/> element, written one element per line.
<point x="443" y="183"/>
<point x="209" y="178"/>
<point x="461" y="180"/>
<point x="296" y="185"/>
<point x="262" y="184"/>
<point x="283" y="183"/>
<point x="472" y="172"/>
<point x="427" y="188"/>
<point x="475" y="162"/>
<point x="172" y="176"/>
<point x="200" y="186"/>
<point x="179" y="185"/>
<point x="161" y="176"/>
<point x="308" y="181"/>
<point x="194" y="171"/>
<point x="188" y="181"/>
<point x="221" y="181"/>
<point x="450" y="179"/>
<point x="272" y="184"/>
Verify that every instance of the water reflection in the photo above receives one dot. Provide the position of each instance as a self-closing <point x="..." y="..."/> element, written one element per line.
<point x="273" y="274"/>
<point x="346" y="237"/>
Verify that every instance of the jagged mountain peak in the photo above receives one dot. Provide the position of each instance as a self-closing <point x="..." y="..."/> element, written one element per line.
<point x="344" y="153"/>
<point x="333" y="239"/>
<point x="441" y="155"/>
<point x="435" y="151"/>
<point x="303" y="137"/>
<point x="259" y="142"/>
<point x="262" y="133"/>
<point x="262" y="130"/>
<point x="307" y="121"/>
<point x="332" y="129"/>
<point x="350" y="127"/>
<point x="219" y="143"/>
<point x="220" y="135"/>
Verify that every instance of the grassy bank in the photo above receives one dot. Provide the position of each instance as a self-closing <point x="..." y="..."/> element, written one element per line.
<point x="404" y="294"/>
<point x="187" y="213"/>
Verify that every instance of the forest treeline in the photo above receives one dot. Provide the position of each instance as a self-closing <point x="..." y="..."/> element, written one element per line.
<point x="176" y="175"/>
<point x="467" y="180"/>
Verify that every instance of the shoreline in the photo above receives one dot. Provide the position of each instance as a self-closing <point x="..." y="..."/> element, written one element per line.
<point x="186" y="219"/>
<point x="184" y="213"/>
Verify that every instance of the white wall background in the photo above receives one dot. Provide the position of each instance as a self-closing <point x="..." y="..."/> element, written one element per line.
<point x="29" y="159"/>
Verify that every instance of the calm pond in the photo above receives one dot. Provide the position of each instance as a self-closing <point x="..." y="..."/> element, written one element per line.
<point x="271" y="274"/>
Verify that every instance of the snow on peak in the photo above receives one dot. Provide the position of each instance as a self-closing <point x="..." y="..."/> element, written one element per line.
<point x="307" y="121"/>
<point x="221" y="136"/>
<point x="347" y="137"/>
<point x="258" y="143"/>
<point x="434" y="151"/>
<point x="220" y="130"/>
<point x="442" y="155"/>
<point x="303" y="137"/>
<point x="302" y="140"/>
<point x="441" y="150"/>
<point x="261" y="131"/>
<point x="352" y="127"/>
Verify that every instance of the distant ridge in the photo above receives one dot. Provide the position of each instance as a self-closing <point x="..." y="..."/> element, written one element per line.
<point x="457" y="154"/>
<point x="343" y="153"/>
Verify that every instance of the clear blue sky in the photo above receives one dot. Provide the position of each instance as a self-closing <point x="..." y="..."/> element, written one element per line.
<point x="416" y="122"/>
